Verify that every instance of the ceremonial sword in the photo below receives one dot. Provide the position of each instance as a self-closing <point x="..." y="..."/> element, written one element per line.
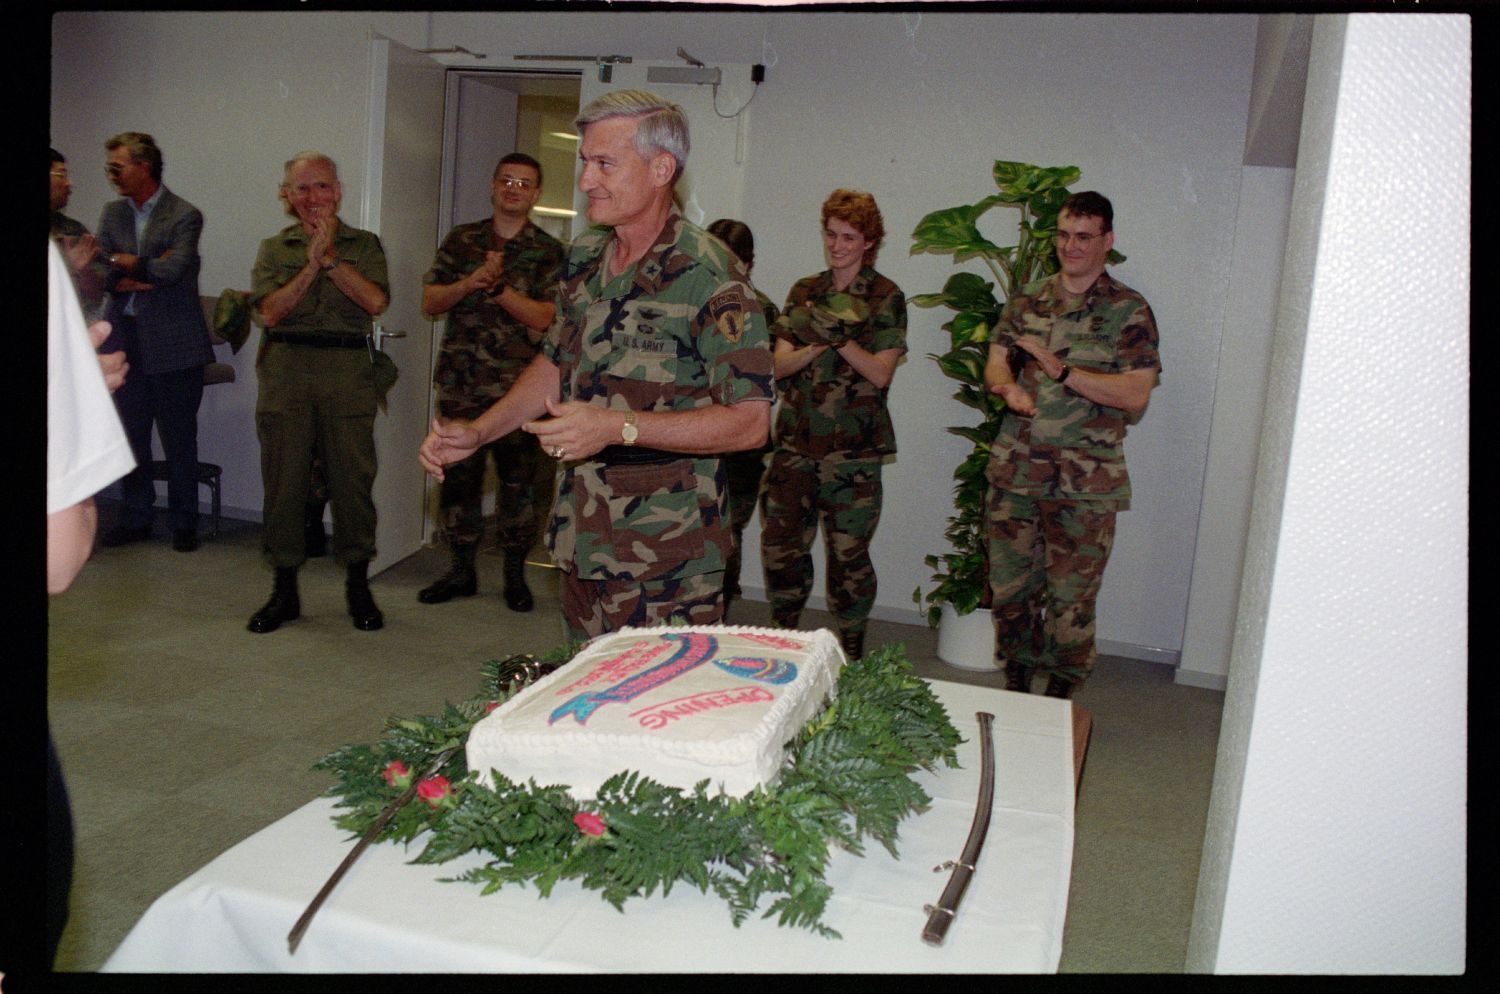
<point x="941" y="915"/>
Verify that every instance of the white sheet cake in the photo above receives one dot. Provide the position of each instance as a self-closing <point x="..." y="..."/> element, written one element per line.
<point x="676" y="704"/>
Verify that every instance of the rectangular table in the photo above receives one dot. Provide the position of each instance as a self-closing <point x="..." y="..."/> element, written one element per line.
<point x="389" y="915"/>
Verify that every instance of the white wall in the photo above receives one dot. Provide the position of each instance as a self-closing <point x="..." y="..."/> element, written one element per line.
<point x="229" y="98"/>
<point x="1336" y="837"/>
<point x="911" y="106"/>
<point x="1239" y="392"/>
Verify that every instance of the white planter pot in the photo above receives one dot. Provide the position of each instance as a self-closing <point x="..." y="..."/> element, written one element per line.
<point x="967" y="641"/>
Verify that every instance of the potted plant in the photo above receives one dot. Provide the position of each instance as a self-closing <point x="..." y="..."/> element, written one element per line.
<point x="961" y="576"/>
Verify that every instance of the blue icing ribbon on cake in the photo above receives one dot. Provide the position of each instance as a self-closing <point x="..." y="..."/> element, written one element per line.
<point x="695" y="649"/>
<point x="777" y="671"/>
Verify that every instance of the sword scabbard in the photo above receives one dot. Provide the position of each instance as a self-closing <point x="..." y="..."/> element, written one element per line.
<point x="941" y="915"/>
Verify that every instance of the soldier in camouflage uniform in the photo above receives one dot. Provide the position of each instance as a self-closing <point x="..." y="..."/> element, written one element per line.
<point x="76" y="243"/>
<point x="495" y="279"/>
<point x="1075" y="358"/>
<point x="837" y="345"/>
<point x="658" y="362"/>
<point x="744" y="470"/>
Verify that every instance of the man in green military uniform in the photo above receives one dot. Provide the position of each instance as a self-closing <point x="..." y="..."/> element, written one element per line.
<point x="317" y="284"/>
<point x="495" y="279"/>
<point x="1075" y="358"/>
<point x="658" y="362"/>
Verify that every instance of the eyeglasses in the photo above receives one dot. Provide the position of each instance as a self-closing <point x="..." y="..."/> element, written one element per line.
<point x="1083" y="238"/>
<point x="114" y="169"/>
<point x="60" y="173"/>
<point x="516" y="183"/>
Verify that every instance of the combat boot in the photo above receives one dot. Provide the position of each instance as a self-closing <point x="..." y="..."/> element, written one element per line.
<point x="517" y="594"/>
<point x="367" y="617"/>
<point x="1058" y="687"/>
<point x="1017" y="677"/>
<point x="460" y="581"/>
<point x="283" y="605"/>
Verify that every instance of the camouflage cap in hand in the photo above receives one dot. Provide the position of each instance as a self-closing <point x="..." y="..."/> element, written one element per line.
<point x="232" y="318"/>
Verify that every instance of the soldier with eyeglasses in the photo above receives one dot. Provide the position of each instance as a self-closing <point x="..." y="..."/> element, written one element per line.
<point x="1075" y="358"/>
<point x="495" y="280"/>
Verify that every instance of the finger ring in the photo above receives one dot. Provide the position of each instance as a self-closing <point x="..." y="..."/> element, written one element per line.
<point x="557" y="452"/>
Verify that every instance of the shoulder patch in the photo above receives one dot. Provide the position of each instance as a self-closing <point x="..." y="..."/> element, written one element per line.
<point x="728" y="310"/>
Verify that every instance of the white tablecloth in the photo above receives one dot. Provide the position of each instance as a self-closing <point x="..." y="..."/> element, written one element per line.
<point x="388" y="915"/>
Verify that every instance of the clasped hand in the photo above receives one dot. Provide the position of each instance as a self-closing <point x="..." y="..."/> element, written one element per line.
<point x="489" y="273"/>
<point x="320" y="245"/>
<point x="1017" y="398"/>
<point x="1045" y="357"/>
<point x="572" y="431"/>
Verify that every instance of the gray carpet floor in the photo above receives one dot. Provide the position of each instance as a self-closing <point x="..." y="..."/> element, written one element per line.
<point x="180" y="733"/>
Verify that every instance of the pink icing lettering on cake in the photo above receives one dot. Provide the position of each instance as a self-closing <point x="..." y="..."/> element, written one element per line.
<point x="658" y="715"/>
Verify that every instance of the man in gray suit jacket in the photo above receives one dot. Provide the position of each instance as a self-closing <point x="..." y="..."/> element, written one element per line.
<point x="149" y="241"/>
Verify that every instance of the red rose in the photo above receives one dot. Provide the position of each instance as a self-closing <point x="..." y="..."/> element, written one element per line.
<point x="492" y="705"/>
<point x="397" y="775"/>
<point x="436" y="791"/>
<point x="589" y="823"/>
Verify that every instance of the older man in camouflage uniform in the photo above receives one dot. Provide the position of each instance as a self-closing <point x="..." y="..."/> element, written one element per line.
<point x="1075" y="358"/>
<point x="495" y="279"/>
<point x="658" y="362"/>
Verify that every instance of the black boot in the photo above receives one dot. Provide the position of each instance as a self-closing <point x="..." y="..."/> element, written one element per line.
<point x="854" y="644"/>
<point x="517" y="594"/>
<point x="1058" y="687"/>
<point x="459" y="581"/>
<point x="367" y="617"/>
<point x="1017" y="677"/>
<point x="283" y="605"/>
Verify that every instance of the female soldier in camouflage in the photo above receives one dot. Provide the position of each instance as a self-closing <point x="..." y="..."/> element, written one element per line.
<point x="744" y="470"/>
<point x="838" y="341"/>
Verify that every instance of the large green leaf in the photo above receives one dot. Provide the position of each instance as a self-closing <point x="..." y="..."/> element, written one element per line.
<point x="950" y="230"/>
<point x="1045" y="204"/>
<point x="1060" y="176"/>
<point x="971" y="328"/>
<point x="970" y="292"/>
<point x="962" y="292"/>
<point x="1007" y="173"/>
<point x="963" y="366"/>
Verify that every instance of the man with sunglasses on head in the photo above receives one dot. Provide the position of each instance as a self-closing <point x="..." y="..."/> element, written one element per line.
<point x="495" y="279"/>
<point x="148" y="239"/>
<point x="1074" y="357"/>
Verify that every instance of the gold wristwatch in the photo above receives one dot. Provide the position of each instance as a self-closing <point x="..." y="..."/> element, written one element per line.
<point x="628" y="431"/>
